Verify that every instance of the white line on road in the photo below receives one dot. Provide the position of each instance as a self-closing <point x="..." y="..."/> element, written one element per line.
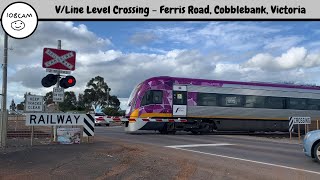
<point x="247" y="160"/>
<point x="199" y="145"/>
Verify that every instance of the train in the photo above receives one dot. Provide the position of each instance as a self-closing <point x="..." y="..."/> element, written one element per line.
<point x="218" y="105"/>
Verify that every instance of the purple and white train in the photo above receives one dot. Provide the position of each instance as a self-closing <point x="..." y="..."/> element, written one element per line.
<point x="211" y="105"/>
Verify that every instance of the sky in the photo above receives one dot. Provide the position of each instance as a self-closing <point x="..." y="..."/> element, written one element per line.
<point x="125" y="53"/>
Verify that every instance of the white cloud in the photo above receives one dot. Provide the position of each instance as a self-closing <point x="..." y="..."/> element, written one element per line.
<point x="142" y="38"/>
<point x="282" y="42"/>
<point x="295" y="57"/>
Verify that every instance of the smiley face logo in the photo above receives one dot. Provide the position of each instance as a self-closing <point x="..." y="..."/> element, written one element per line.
<point x="19" y="20"/>
<point x="17" y="25"/>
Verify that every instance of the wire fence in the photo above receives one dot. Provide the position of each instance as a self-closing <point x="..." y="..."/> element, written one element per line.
<point x="18" y="134"/>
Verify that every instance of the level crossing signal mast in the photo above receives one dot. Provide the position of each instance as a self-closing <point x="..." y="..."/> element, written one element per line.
<point x="52" y="79"/>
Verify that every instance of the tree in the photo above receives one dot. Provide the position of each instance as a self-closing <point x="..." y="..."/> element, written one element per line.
<point x="110" y="111"/>
<point x="20" y="106"/>
<point x="69" y="103"/>
<point x="80" y="103"/>
<point x="114" y="102"/>
<point x="98" y="93"/>
<point x="48" y="98"/>
<point x="12" y="106"/>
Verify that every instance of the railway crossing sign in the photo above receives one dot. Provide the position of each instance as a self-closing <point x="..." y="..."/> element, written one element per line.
<point x="62" y="119"/>
<point x="298" y="120"/>
<point x="59" y="59"/>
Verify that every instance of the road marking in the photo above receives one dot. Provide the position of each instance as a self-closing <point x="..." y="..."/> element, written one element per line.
<point x="114" y="127"/>
<point x="247" y="160"/>
<point x="199" y="145"/>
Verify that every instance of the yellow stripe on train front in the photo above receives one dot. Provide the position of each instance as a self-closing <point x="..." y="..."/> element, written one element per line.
<point x="135" y="114"/>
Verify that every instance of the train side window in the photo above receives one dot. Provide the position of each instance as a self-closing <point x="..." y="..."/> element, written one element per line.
<point x="255" y="102"/>
<point x="152" y="97"/>
<point x="230" y="100"/>
<point x="275" y="102"/>
<point x="207" y="99"/>
<point x="313" y="104"/>
<point x="296" y="103"/>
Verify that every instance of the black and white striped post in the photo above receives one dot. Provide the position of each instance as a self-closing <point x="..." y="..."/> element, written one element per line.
<point x="290" y="126"/>
<point x="88" y="126"/>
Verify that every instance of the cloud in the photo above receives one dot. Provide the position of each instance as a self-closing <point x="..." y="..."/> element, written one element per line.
<point x="79" y="38"/>
<point x="283" y="42"/>
<point x="142" y="38"/>
<point x="29" y="77"/>
<point x="295" y="57"/>
<point x="236" y="36"/>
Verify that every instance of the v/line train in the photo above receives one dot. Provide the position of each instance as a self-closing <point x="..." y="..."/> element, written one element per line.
<point x="214" y="105"/>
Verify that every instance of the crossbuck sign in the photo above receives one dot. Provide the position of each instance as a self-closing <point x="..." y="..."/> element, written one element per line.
<point x="59" y="59"/>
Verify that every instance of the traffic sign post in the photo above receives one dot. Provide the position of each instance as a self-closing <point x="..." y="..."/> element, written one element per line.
<point x="60" y="62"/>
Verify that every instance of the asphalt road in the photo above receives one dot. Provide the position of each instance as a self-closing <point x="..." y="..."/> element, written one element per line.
<point x="236" y="157"/>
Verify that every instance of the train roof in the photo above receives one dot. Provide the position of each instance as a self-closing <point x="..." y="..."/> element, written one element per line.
<point x="194" y="81"/>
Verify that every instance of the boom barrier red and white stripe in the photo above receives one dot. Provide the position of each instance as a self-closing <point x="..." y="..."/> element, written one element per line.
<point x="124" y="119"/>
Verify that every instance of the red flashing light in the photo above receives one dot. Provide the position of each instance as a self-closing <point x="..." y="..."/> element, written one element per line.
<point x="67" y="82"/>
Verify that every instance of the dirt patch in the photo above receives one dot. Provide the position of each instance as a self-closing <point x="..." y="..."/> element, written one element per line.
<point x="104" y="159"/>
<point x="187" y="169"/>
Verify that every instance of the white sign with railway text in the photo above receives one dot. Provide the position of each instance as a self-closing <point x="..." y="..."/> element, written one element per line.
<point x="34" y="103"/>
<point x="52" y="119"/>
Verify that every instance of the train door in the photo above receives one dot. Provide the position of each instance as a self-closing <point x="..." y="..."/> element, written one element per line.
<point x="179" y="103"/>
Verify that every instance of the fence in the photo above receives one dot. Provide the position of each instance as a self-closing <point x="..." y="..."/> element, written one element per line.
<point x="18" y="134"/>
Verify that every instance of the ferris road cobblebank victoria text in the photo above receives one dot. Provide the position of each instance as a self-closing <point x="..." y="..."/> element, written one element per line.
<point x="193" y="10"/>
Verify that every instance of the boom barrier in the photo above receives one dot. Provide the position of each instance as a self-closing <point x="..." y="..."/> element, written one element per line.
<point x="124" y="119"/>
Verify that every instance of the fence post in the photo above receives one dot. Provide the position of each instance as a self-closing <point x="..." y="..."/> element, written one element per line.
<point x="32" y="132"/>
<point x="299" y="131"/>
<point x="305" y="128"/>
<point x="317" y="124"/>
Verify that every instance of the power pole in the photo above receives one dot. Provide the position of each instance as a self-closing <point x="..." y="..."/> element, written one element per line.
<point x="56" y="103"/>
<point x="4" y="93"/>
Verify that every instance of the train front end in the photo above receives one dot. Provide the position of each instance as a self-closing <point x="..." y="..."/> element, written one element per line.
<point x="149" y="99"/>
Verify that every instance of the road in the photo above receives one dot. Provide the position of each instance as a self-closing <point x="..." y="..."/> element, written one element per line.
<point x="226" y="156"/>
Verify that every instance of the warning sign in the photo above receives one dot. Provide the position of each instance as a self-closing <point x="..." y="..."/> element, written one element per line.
<point x="34" y="103"/>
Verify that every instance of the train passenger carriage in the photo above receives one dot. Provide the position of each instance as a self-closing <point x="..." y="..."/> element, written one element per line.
<point x="215" y="105"/>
